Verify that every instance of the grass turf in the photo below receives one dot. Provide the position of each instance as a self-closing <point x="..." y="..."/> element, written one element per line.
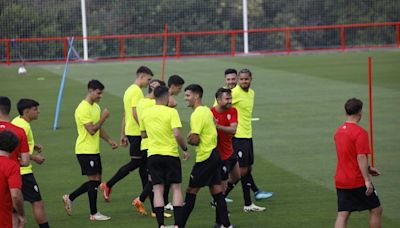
<point x="299" y="100"/>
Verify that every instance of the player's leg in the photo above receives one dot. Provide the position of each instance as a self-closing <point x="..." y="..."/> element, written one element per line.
<point x="177" y="202"/>
<point x="341" y="219"/>
<point x="158" y="190"/>
<point x="39" y="214"/>
<point x="31" y="193"/>
<point x="375" y="217"/>
<point x="221" y="214"/>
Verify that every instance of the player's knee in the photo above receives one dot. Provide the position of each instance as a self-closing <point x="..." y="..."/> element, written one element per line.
<point x="377" y="211"/>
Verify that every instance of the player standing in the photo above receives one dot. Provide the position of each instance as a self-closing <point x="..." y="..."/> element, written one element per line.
<point x="161" y="124"/>
<point x="206" y="170"/>
<point x="130" y="131"/>
<point x="354" y="188"/>
<point x="89" y="124"/>
<point x="28" y="110"/>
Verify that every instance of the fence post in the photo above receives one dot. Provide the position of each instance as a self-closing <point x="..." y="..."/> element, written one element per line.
<point x="122" y="48"/>
<point x="177" y="46"/>
<point x="233" y="45"/>
<point x="84" y="31"/>
<point x="245" y="28"/>
<point x="288" y="41"/>
<point x="8" y="52"/>
<point x="65" y="48"/>
<point x="342" y="38"/>
<point x="398" y="34"/>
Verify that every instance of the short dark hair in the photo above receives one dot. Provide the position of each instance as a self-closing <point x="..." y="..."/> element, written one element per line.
<point x="144" y="70"/>
<point x="8" y="141"/>
<point x="175" y="80"/>
<point x="353" y="106"/>
<point x="95" y="84"/>
<point x="26" y="104"/>
<point x="245" y="71"/>
<point x="195" y="88"/>
<point x="220" y="91"/>
<point x="162" y="83"/>
<point x="5" y="105"/>
<point x="230" y="71"/>
<point x="160" y="91"/>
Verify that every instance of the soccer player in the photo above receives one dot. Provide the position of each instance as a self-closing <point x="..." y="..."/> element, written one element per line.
<point x="226" y="122"/>
<point x="21" y="152"/>
<point x="161" y="124"/>
<point x="206" y="170"/>
<point x="175" y="83"/>
<point x="355" y="191"/>
<point x="28" y="110"/>
<point x="89" y="121"/>
<point x="243" y="101"/>
<point x="10" y="183"/>
<point x="145" y="103"/>
<point x="130" y="132"/>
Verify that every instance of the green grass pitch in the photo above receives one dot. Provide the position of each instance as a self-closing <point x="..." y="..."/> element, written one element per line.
<point x="299" y="100"/>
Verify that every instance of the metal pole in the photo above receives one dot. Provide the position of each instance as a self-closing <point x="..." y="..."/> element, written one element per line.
<point x="245" y="28"/>
<point x="84" y="31"/>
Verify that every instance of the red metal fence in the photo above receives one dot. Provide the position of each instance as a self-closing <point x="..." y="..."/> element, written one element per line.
<point x="206" y="43"/>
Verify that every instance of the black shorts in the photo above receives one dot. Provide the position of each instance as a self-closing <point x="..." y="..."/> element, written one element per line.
<point x="206" y="173"/>
<point x="30" y="188"/>
<point x="90" y="164"/>
<point x="144" y="155"/>
<point x="244" y="150"/>
<point x="164" y="169"/>
<point x="134" y="148"/>
<point x="355" y="199"/>
<point x="227" y="166"/>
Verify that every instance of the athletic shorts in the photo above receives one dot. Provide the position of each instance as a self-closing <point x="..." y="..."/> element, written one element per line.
<point x="206" y="173"/>
<point x="144" y="155"/>
<point x="355" y="199"/>
<point x="90" y="164"/>
<point x="244" y="150"/>
<point x="134" y="148"/>
<point x="30" y="188"/>
<point x="227" y="166"/>
<point x="164" y="169"/>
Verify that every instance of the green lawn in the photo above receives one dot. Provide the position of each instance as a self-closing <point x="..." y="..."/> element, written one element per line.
<point x="299" y="100"/>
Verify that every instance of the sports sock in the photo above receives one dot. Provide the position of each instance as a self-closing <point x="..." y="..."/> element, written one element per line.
<point x="123" y="172"/>
<point x="230" y="187"/>
<point x="222" y="210"/>
<point x="190" y="200"/>
<point x="178" y="215"/>
<point x="44" y="225"/>
<point x="159" y="215"/>
<point x="253" y="185"/>
<point x="166" y="193"/>
<point x="79" y="191"/>
<point x="246" y="190"/>
<point x="146" y="191"/>
<point x="144" y="175"/>
<point x="92" y="193"/>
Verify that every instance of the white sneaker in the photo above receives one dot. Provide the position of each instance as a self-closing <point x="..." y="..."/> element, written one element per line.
<point x="99" y="217"/>
<point x="67" y="204"/>
<point x="169" y="207"/>
<point x="253" y="207"/>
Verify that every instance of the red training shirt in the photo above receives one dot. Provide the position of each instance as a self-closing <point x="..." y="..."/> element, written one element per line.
<point x="23" y="146"/>
<point x="9" y="178"/>
<point x="350" y="140"/>
<point x="226" y="118"/>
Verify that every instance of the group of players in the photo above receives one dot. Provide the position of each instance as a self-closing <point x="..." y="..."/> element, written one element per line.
<point x="151" y="125"/>
<point x="223" y="143"/>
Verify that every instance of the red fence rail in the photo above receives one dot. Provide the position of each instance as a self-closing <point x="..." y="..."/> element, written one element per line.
<point x="286" y="36"/>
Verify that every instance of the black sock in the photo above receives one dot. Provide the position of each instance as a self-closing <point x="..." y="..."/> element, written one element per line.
<point x="178" y="215"/>
<point x="151" y="196"/>
<point x="190" y="200"/>
<point x="230" y="187"/>
<point x="144" y="175"/>
<point x="44" y="225"/>
<point x="222" y="214"/>
<point x="92" y="193"/>
<point x="160" y="215"/>
<point x="246" y="190"/>
<point x="253" y="185"/>
<point x="123" y="172"/>
<point x="146" y="191"/>
<point x="79" y="191"/>
<point x="166" y="193"/>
